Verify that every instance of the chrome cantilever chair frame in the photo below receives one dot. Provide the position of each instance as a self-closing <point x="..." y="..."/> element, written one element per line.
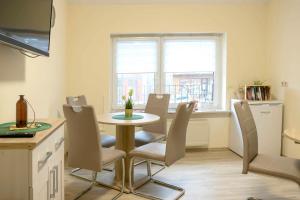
<point x="157" y="104"/>
<point x="167" y="154"/>
<point x="151" y="179"/>
<point x="94" y="182"/>
<point x="80" y="101"/>
<point x="83" y="119"/>
<point x="162" y="166"/>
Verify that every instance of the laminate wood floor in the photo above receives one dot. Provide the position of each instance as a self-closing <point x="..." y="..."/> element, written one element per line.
<point x="207" y="175"/>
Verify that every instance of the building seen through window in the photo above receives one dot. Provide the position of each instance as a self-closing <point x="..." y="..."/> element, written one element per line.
<point x="188" y="68"/>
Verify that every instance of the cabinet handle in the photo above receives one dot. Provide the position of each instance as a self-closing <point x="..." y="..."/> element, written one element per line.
<point x="44" y="160"/>
<point x="48" y="188"/>
<point x="59" y="143"/>
<point x="265" y="112"/>
<point x="52" y="193"/>
<point x="56" y="178"/>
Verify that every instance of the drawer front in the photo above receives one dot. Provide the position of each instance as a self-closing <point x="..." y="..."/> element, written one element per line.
<point x="58" y="139"/>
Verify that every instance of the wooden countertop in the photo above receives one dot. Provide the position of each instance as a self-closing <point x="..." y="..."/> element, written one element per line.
<point x="31" y="143"/>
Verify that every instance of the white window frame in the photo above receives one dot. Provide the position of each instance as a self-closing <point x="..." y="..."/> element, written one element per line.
<point x="159" y="81"/>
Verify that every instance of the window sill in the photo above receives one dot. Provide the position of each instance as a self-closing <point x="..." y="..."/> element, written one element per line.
<point x="211" y="113"/>
<point x="207" y="113"/>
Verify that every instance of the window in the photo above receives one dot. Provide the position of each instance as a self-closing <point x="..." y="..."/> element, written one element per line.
<point x="188" y="67"/>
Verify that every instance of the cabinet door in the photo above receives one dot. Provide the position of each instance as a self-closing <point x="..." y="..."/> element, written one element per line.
<point x="42" y="191"/>
<point x="268" y="120"/>
<point x="40" y="166"/>
<point x="57" y="166"/>
<point x="57" y="176"/>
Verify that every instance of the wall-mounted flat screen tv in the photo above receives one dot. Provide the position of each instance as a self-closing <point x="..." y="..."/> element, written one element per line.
<point x="26" y="24"/>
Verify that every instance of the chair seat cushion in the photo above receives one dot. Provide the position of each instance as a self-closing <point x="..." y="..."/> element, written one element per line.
<point x="110" y="155"/>
<point x="144" y="137"/>
<point x="107" y="140"/>
<point x="276" y="166"/>
<point x="152" y="151"/>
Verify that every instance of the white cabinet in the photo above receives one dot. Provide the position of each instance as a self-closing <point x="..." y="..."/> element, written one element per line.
<point x="34" y="174"/>
<point x="47" y="167"/>
<point x="268" y="120"/>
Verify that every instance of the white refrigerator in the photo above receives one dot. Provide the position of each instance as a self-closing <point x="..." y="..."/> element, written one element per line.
<point x="268" y="120"/>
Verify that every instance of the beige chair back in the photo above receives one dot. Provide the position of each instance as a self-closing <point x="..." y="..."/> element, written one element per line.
<point x="175" y="147"/>
<point x="84" y="146"/>
<point x="76" y="101"/>
<point x="249" y="132"/>
<point x="158" y="104"/>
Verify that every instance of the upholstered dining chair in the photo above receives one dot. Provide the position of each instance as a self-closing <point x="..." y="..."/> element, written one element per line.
<point x="106" y="140"/>
<point x="253" y="161"/>
<point x="85" y="152"/>
<point x="168" y="153"/>
<point x="157" y="104"/>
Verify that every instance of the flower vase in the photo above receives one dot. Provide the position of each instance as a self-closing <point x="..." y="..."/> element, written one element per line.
<point x="128" y="112"/>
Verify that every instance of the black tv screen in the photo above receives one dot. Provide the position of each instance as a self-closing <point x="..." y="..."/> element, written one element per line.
<point x="26" y="24"/>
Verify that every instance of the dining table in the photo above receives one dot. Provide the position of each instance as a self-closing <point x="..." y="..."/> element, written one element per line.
<point x="125" y="136"/>
<point x="292" y="135"/>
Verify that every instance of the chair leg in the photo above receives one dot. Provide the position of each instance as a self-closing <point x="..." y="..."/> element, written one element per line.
<point x="95" y="183"/>
<point x="154" y="163"/>
<point x="162" y="168"/>
<point x="78" y="169"/>
<point x="75" y="170"/>
<point x="149" y="168"/>
<point x="94" y="178"/>
<point x="149" y="196"/>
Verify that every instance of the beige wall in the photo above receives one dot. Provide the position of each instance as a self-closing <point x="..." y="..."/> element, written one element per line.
<point x="89" y="45"/>
<point x="263" y="42"/>
<point x="283" y="63"/>
<point x="42" y="79"/>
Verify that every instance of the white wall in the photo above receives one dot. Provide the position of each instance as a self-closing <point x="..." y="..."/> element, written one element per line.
<point x="42" y="79"/>
<point x="283" y="63"/>
<point x="89" y="44"/>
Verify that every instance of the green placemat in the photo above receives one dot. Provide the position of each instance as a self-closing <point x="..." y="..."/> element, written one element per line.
<point x="123" y="117"/>
<point x="40" y="126"/>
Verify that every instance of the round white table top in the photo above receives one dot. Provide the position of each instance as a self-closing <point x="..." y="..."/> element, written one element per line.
<point x="148" y="119"/>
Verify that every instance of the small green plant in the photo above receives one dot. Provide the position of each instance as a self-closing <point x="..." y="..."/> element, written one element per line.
<point x="258" y="82"/>
<point x="128" y="101"/>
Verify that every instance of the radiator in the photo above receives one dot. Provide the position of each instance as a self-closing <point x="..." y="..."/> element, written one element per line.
<point x="197" y="133"/>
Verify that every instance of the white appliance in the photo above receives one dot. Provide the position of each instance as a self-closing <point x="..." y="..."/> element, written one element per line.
<point x="268" y="120"/>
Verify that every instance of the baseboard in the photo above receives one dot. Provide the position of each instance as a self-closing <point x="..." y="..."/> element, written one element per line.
<point x="199" y="149"/>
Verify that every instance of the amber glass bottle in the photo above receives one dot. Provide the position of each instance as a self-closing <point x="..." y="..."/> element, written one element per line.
<point x="21" y="112"/>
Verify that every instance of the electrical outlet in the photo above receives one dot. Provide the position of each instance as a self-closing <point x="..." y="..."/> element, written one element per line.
<point x="284" y="84"/>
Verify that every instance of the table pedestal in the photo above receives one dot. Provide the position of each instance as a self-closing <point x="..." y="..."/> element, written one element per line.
<point x="124" y="141"/>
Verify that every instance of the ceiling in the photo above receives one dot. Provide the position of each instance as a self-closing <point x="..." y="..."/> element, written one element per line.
<point x="166" y="1"/>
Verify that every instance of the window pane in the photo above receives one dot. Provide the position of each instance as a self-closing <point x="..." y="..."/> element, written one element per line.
<point x="185" y="87"/>
<point x="186" y="69"/>
<point x="141" y="83"/>
<point x="189" y="55"/>
<point x="189" y="66"/>
<point x="135" y="56"/>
